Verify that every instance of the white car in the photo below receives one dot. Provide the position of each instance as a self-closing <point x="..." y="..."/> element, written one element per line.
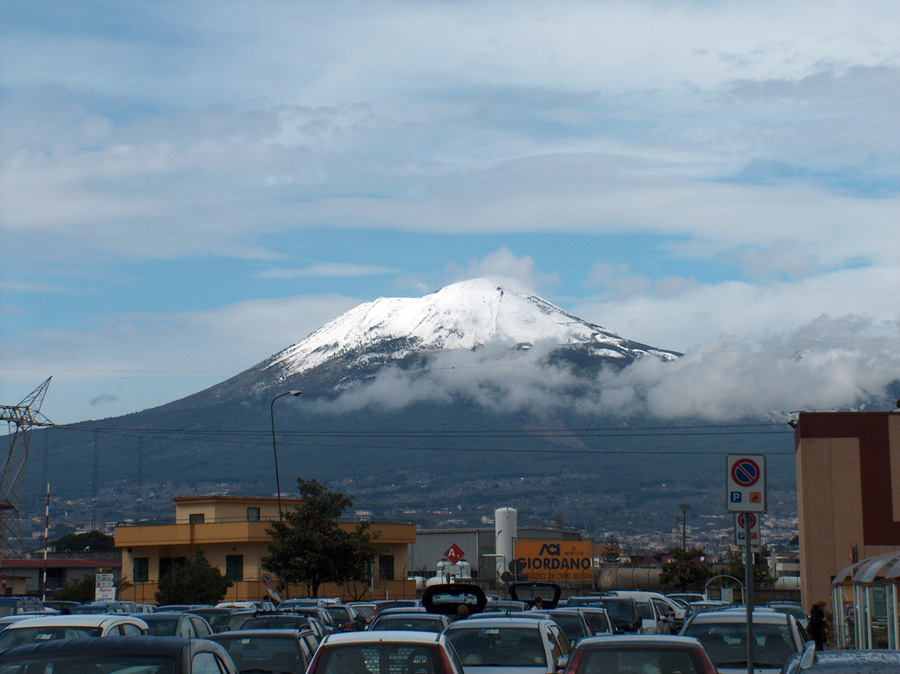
<point x="37" y="630"/>
<point x="777" y="637"/>
<point x="509" y="645"/>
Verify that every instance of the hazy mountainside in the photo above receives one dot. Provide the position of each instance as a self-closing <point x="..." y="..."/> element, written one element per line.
<point x="436" y="409"/>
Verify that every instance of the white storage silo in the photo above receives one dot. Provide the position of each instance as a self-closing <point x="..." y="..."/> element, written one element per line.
<point x="505" y="532"/>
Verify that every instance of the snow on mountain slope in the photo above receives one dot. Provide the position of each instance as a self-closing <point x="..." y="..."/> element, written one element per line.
<point x="465" y="315"/>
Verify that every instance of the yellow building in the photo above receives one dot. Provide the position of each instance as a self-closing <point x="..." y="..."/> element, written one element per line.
<point x="848" y="493"/>
<point x="231" y="532"/>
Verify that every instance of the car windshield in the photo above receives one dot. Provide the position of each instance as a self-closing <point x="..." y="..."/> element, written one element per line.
<point x="643" y="659"/>
<point x="90" y="664"/>
<point x="263" y="654"/>
<point x="395" y="658"/>
<point x="726" y="644"/>
<point x="12" y="637"/>
<point x="499" y="646"/>
<point x="164" y="627"/>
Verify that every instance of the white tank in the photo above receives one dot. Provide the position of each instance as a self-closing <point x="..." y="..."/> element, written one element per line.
<point x="506" y="523"/>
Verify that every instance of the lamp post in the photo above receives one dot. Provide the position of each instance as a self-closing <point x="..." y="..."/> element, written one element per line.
<point x="275" y="446"/>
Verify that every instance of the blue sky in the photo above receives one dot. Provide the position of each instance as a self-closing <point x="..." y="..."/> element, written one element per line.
<point x="188" y="188"/>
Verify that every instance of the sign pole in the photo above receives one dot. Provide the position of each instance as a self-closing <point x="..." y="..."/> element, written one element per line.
<point x="748" y="583"/>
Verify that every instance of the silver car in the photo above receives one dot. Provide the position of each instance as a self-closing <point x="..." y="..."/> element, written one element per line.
<point x="505" y="645"/>
<point x="777" y="637"/>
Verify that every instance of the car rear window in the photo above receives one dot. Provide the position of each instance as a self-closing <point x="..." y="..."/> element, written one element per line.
<point x="643" y="659"/>
<point x="87" y="664"/>
<point x="383" y="658"/>
<point x="499" y="646"/>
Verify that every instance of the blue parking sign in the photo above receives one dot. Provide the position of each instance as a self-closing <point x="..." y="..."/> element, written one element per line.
<point x="735" y="497"/>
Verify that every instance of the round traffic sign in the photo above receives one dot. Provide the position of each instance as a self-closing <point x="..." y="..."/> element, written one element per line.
<point x="751" y="517"/>
<point x="745" y="472"/>
<point x="266" y="579"/>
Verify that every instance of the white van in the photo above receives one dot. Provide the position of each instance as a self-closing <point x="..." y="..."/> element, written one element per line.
<point x="666" y="606"/>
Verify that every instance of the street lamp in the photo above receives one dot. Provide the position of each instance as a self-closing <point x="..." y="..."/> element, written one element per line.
<point x="275" y="446"/>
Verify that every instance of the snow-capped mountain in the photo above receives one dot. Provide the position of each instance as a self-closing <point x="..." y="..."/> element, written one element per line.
<point x="466" y="315"/>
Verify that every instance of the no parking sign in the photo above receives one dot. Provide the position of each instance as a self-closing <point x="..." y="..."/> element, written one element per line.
<point x="745" y="490"/>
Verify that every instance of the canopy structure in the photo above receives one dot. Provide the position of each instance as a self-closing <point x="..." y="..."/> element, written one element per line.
<point x="871" y="619"/>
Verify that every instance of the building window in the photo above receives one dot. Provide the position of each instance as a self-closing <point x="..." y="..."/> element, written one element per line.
<point x="196" y="518"/>
<point x="166" y="564"/>
<point x="253" y="514"/>
<point x="234" y="567"/>
<point x="386" y="567"/>
<point x="140" y="572"/>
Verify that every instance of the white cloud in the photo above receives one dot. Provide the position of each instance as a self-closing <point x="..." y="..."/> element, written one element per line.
<point x="506" y="267"/>
<point x="686" y="315"/>
<point x="124" y="363"/>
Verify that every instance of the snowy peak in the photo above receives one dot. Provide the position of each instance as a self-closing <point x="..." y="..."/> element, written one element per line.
<point x="465" y="315"/>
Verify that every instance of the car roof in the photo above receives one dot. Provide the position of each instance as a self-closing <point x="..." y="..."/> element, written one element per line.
<point x="390" y="636"/>
<point x="79" y="620"/>
<point x="740" y="616"/>
<point x="500" y="621"/>
<point x="640" y="640"/>
<point x="272" y="634"/>
<point x="144" y="644"/>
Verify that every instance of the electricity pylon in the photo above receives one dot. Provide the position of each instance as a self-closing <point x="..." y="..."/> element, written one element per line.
<point x="19" y="420"/>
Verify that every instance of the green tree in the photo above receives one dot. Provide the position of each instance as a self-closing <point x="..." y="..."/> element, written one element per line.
<point x="762" y="575"/>
<point x="309" y="548"/>
<point x="93" y="540"/>
<point x="682" y="571"/>
<point x="612" y="551"/>
<point x="78" y="590"/>
<point x="195" y="581"/>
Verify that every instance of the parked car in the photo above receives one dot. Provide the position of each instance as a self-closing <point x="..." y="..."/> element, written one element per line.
<point x="687" y="597"/>
<point x="61" y="605"/>
<point x="723" y="633"/>
<point x="651" y="620"/>
<point x="284" y="621"/>
<point x="843" y="662"/>
<point x="666" y="654"/>
<point x="505" y="606"/>
<point x="17" y="605"/>
<point x="345" y="618"/>
<point x="790" y="607"/>
<point x="598" y="618"/>
<point x="173" y="655"/>
<point x="696" y="607"/>
<point x="278" y="650"/>
<point x="364" y="608"/>
<point x="165" y="624"/>
<point x="417" y="621"/>
<point x="574" y="624"/>
<point x="216" y="617"/>
<point x="623" y="611"/>
<point x="394" y="603"/>
<point x="105" y="607"/>
<point x="48" y="628"/>
<point x="385" y="651"/>
<point x="522" y="645"/>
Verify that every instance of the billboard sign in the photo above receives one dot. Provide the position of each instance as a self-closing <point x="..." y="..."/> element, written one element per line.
<point x="554" y="561"/>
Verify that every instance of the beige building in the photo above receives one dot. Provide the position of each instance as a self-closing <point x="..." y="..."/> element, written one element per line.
<point x="848" y="493"/>
<point x="231" y="532"/>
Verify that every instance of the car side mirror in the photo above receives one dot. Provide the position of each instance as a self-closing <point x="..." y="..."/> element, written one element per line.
<point x="562" y="662"/>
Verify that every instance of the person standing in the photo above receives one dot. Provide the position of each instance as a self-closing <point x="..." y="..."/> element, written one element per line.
<point x="817" y="624"/>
